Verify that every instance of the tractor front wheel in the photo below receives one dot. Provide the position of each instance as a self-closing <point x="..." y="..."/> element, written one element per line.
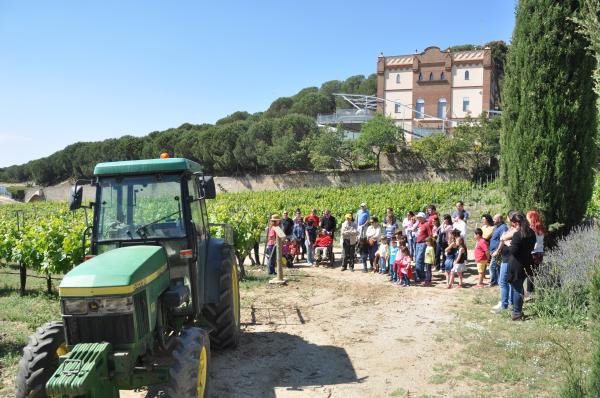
<point x="191" y="361"/>
<point x="40" y="360"/>
<point x="224" y="316"/>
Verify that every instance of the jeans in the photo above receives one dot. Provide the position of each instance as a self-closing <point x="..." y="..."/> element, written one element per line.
<point x="372" y="251"/>
<point x="494" y="271"/>
<point x="405" y="280"/>
<point x="310" y="252"/>
<point x="420" y="261"/>
<point x="428" y="272"/>
<point x="393" y="273"/>
<point x="517" y="296"/>
<point x="382" y="265"/>
<point x="413" y="248"/>
<point x="348" y="254"/>
<point x="272" y="253"/>
<point x="409" y="242"/>
<point x="506" y="293"/>
<point x="364" y="256"/>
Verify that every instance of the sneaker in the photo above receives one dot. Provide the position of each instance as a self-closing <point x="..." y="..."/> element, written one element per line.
<point x="365" y="271"/>
<point x="498" y="310"/>
<point x="448" y="286"/>
<point x="497" y="306"/>
<point x="477" y="286"/>
<point x="459" y="286"/>
<point x="517" y="317"/>
<point x="351" y="269"/>
<point x="343" y="269"/>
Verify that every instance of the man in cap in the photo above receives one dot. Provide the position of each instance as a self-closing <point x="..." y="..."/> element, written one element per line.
<point x="362" y="219"/>
<point x="423" y="233"/>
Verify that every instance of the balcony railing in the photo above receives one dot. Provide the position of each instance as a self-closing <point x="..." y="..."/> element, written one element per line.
<point x="346" y="116"/>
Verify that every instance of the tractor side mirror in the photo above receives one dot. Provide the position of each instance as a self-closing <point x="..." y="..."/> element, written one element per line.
<point x="206" y="187"/>
<point x="75" y="197"/>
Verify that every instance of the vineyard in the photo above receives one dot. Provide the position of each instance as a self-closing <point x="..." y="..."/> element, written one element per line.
<point x="47" y="237"/>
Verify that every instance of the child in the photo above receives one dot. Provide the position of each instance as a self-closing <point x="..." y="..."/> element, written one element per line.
<point x="429" y="260"/>
<point x="460" y="264"/>
<point x="382" y="255"/>
<point x="403" y="267"/>
<point x="285" y="250"/>
<point x="482" y="256"/>
<point x="298" y="234"/>
<point x="451" y="252"/>
<point x="391" y="259"/>
<point x="390" y="227"/>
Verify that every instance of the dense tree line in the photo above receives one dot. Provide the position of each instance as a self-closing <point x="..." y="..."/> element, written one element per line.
<point x="273" y="141"/>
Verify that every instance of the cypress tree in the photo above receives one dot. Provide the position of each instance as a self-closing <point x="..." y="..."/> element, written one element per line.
<point x="549" y="114"/>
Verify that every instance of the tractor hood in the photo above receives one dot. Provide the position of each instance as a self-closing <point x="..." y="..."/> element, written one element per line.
<point x="119" y="271"/>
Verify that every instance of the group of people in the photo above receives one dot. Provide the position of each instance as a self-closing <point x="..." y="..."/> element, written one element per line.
<point x="409" y="251"/>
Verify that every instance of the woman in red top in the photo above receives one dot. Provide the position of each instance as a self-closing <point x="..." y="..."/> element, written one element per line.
<point x="271" y="243"/>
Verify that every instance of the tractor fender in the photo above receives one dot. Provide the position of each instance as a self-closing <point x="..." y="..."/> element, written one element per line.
<point x="218" y="251"/>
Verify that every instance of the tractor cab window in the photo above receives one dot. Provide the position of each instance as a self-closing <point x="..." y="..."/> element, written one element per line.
<point x="140" y="207"/>
<point x="198" y="208"/>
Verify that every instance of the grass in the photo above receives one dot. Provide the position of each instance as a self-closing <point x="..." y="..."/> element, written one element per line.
<point x="523" y="358"/>
<point x="19" y="317"/>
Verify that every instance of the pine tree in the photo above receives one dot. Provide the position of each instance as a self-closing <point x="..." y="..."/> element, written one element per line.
<point x="549" y="114"/>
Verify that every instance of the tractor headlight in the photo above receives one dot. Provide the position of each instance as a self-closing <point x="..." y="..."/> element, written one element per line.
<point x="74" y="306"/>
<point x="117" y="305"/>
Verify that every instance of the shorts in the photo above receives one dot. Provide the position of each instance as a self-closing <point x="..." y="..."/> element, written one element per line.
<point x="481" y="267"/>
<point x="459" y="267"/>
<point x="448" y="264"/>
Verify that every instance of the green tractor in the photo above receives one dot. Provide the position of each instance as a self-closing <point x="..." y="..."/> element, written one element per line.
<point x="155" y="293"/>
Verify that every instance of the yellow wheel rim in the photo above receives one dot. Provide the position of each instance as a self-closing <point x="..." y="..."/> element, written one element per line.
<point x="202" y="367"/>
<point x="61" y="350"/>
<point x="235" y="287"/>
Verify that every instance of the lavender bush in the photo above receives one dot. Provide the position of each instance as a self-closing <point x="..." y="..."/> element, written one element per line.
<point x="563" y="279"/>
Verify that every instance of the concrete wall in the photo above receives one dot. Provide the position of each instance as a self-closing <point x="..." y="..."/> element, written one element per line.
<point x="61" y="191"/>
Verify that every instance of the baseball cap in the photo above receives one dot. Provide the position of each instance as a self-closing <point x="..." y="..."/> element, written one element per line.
<point x="421" y="215"/>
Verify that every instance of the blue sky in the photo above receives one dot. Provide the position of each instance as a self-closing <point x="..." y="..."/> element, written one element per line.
<point x="84" y="71"/>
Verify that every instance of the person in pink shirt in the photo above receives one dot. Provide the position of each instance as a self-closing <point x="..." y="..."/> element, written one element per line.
<point x="482" y="256"/>
<point x="271" y="243"/>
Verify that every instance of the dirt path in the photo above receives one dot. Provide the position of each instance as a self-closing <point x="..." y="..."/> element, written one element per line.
<point x="338" y="334"/>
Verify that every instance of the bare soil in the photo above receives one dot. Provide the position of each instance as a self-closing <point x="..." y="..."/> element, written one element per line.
<point x="347" y="334"/>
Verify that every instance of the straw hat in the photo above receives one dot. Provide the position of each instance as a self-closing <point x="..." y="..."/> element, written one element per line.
<point x="275" y="217"/>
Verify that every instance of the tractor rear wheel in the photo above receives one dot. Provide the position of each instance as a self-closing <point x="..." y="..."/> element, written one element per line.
<point x="224" y="316"/>
<point x="191" y="361"/>
<point x="40" y="360"/>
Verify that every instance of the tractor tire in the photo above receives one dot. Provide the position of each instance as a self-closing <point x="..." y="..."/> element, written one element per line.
<point x="40" y="360"/>
<point x="224" y="316"/>
<point x="188" y="374"/>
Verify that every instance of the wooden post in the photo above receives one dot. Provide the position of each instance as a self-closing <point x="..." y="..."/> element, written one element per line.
<point x="22" y="278"/>
<point x="279" y="279"/>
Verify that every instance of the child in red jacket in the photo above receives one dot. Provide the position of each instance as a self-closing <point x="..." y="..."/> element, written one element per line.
<point x="403" y="268"/>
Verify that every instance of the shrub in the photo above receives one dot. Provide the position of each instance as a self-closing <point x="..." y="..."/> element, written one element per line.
<point x="563" y="279"/>
<point x="594" y="387"/>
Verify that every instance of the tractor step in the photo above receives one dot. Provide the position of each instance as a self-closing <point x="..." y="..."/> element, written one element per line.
<point x="84" y="371"/>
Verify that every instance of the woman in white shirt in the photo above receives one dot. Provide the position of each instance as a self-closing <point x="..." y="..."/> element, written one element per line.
<point x="373" y="234"/>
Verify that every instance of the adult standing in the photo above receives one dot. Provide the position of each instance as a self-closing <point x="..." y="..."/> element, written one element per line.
<point x="487" y="227"/>
<point x="272" y="243"/>
<point x="423" y="232"/>
<point x="460" y="209"/>
<point x="431" y="214"/>
<point x="520" y="259"/>
<point x="312" y="216"/>
<point x="503" y="253"/>
<point x="329" y="225"/>
<point x="310" y="232"/>
<point x="349" y="235"/>
<point x="362" y="219"/>
<point x="373" y="236"/>
<point x="287" y="224"/>
<point x="461" y="225"/>
<point x="535" y="221"/>
<point x="407" y="225"/>
<point x="499" y="229"/>
<point x="298" y="217"/>
<point x="299" y="236"/>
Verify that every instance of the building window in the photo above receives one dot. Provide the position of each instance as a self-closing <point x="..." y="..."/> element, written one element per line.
<point x="442" y="76"/>
<point x="466" y="75"/>
<point x="431" y="76"/>
<point x="420" y="108"/>
<point x="397" y="107"/>
<point x="420" y="76"/>
<point x="466" y="104"/>
<point x="398" y="78"/>
<point x="441" y="110"/>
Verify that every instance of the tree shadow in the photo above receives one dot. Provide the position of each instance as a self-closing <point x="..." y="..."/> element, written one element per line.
<point x="265" y="361"/>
